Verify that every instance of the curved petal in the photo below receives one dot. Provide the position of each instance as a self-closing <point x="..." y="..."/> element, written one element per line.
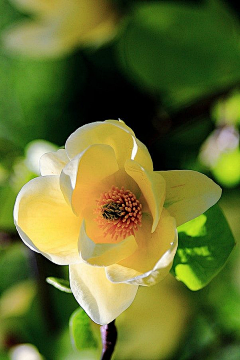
<point x="153" y="260"/>
<point x="61" y="26"/>
<point x="37" y="6"/>
<point x="142" y="156"/>
<point x="45" y="222"/>
<point x="29" y="39"/>
<point x="114" y="133"/>
<point x="152" y="186"/>
<point x="121" y="124"/>
<point x="140" y="152"/>
<point x="104" y="254"/>
<point x="120" y="274"/>
<point x="102" y="300"/>
<point x="105" y="31"/>
<point x="52" y="163"/>
<point x="82" y="174"/>
<point x="189" y="194"/>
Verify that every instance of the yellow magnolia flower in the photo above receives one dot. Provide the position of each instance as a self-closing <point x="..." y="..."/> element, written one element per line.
<point x="59" y="26"/>
<point x="99" y="207"/>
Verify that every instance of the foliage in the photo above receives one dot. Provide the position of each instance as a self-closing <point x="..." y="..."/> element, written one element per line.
<point x="205" y="244"/>
<point x="60" y="284"/>
<point x="81" y="332"/>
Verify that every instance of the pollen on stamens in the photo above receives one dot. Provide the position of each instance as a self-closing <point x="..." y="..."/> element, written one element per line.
<point x="119" y="213"/>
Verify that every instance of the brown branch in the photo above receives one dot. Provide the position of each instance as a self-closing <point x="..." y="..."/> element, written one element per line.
<point x="109" y="338"/>
<point x="165" y="123"/>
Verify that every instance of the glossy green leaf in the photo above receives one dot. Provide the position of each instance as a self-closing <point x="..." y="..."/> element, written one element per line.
<point x="60" y="284"/>
<point x="181" y="51"/>
<point x="205" y="244"/>
<point x="81" y="330"/>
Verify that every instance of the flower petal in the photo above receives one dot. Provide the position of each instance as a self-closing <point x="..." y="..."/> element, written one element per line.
<point x="37" y="6"/>
<point x="102" y="300"/>
<point x="121" y="124"/>
<point x="52" y="163"/>
<point x="45" y="222"/>
<point x="82" y="174"/>
<point x="120" y="274"/>
<point x="61" y="26"/>
<point x="189" y="194"/>
<point x="114" y="133"/>
<point x="152" y="186"/>
<point x="153" y="260"/>
<point x="104" y="254"/>
<point x="29" y="39"/>
<point x="140" y="152"/>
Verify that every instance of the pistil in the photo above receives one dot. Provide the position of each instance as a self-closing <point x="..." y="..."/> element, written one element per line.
<point x="119" y="213"/>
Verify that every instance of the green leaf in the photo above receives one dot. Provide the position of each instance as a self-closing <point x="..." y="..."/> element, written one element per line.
<point x="38" y="97"/>
<point x="14" y="265"/>
<point x="81" y="330"/>
<point x="205" y="244"/>
<point x="8" y="198"/>
<point x="60" y="284"/>
<point x="178" y="51"/>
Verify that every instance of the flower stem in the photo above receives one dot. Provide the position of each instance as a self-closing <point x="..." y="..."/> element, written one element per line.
<point x="109" y="339"/>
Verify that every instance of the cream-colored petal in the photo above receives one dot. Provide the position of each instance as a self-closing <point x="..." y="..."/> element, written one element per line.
<point x="120" y="274"/>
<point x="121" y="124"/>
<point x="152" y="246"/>
<point x="143" y="157"/>
<point x="52" y="163"/>
<point x="101" y="133"/>
<point x="102" y="300"/>
<point x="37" y="6"/>
<point x="80" y="177"/>
<point x="104" y="32"/>
<point x="104" y="254"/>
<point x="189" y="194"/>
<point x="152" y="186"/>
<point x="112" y="133"/>
<point x="36" y="40"/>
<point x="61" y="26"/>
<point x="140" y="152"/>
<point x="90" y="21"/>
<point x="45" y="222"/>
<point x="153" y="259"/>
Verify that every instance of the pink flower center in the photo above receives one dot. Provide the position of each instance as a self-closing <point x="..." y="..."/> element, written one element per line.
<point x="119" y="213"/>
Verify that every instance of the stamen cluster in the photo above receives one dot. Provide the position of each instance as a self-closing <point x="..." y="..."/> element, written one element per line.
<point x="119" y="213"/>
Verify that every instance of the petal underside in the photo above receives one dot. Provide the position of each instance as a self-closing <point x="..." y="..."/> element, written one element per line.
<point x="61" y="26"/>
<point x="189" y="194"/>
<point x="113" y="133"/>
<point x="52" y="163"/>
<point x="45" y="221"/>
<point x="102" y="300"/>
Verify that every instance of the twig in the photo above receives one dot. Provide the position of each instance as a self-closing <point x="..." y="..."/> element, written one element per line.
<point x="165" y="123"/>
<point x="109" y="338"/>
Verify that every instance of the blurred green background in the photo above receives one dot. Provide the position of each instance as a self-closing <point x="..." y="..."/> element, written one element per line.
<point x="171" y="71"/>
